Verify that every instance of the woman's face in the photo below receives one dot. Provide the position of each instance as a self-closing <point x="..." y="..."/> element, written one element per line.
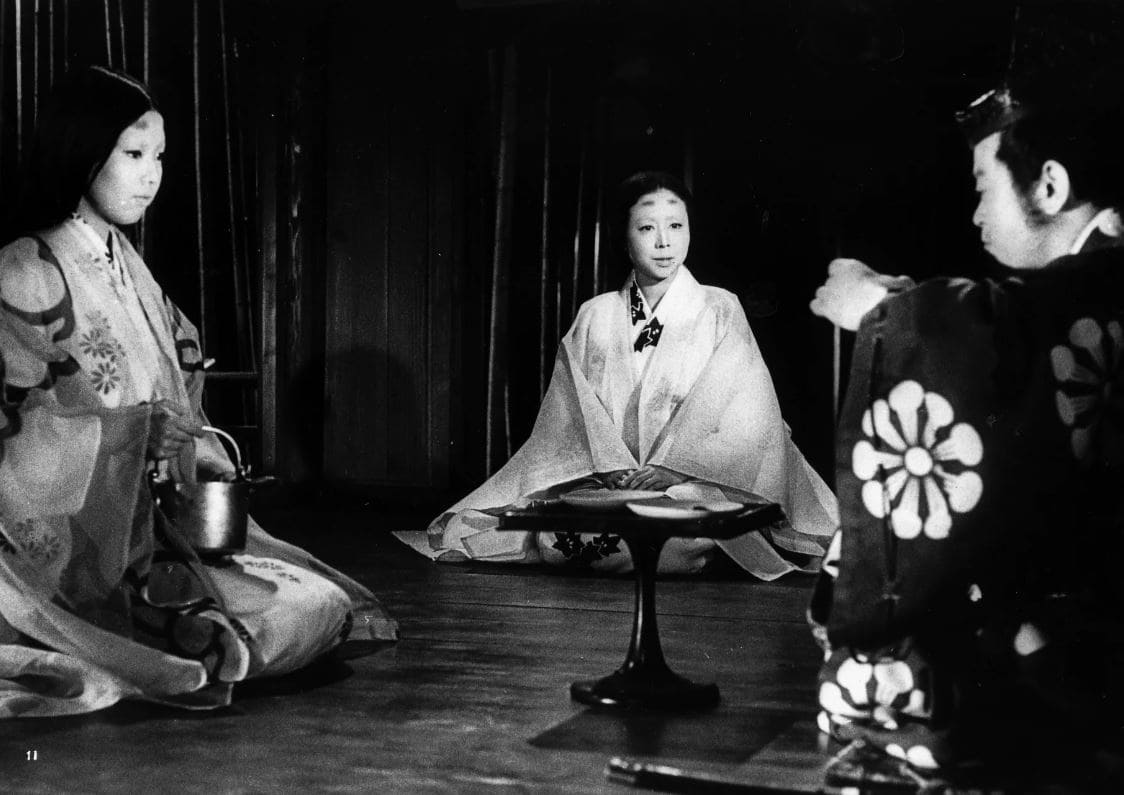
<point x="130" y="178"/>
<point x="659" y="235"/>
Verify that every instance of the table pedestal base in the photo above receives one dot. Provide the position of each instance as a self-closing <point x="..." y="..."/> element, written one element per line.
<point x="645" y="680"/>
<point x="636" y="691"/>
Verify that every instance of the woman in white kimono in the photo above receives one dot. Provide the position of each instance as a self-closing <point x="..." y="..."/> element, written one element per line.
<point x="102" y="379"/>
<point x="657" y="386"/>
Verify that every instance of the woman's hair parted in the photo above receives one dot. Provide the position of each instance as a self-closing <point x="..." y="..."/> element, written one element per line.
<point x="628" y="192"/>
<point x="78" y="127"/>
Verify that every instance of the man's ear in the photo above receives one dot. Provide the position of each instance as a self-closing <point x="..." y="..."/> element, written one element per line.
<point x="1052" y="191"/>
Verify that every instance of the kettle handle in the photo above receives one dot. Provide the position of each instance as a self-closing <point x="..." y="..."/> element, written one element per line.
<point x="233" y="444"/>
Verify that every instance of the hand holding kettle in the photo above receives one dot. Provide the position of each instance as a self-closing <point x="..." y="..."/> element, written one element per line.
<point x="170" y="429"/>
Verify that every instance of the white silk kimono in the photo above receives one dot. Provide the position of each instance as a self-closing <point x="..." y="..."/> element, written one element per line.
<point x="701" y="402"/>
<point x="98" y="600"/>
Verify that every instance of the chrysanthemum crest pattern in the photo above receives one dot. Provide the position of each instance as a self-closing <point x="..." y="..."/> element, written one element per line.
<point x="1090" y="390"/>
<point x="917" y="462"/>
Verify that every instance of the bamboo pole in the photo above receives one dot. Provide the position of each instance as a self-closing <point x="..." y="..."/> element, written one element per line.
<point x="198" y="175"/>
<point x="267" y="188"/>
<point x="3" y="49"/>
<point x="252" y="399"/>
<point x="836" y="346"/>
<point x="108" y="37"/>
<point x="142" y="232"/>
<point x="145" y="15"/>
<point x="836" y="370"/>
<point x="225" y="73"/>
<point x="241" y="304"/>
<point x="35" y="81"/>
<point x="243" y="204"/>
<point x="497" y="348"/>
<point x="507" y="416"/>
<point x="599" y="187"/>
<point x="575" y="274"/>
<point x="544" y="266"/>
<point x="19" y="81"/>
<point x="597" y="245"/>
<point x="121" y="32"/>
<point x="50" y="43"/>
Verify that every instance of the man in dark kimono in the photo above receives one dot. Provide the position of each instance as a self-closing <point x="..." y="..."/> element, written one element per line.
<point x="972" y="590"/>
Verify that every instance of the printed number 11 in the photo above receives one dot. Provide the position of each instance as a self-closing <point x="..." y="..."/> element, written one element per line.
<point x="32" y="756"/>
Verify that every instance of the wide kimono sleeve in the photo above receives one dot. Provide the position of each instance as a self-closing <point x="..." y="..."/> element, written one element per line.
<point x="974" y="451"/>
<point x="729" y="430"/>
<point x="210" y="456"/>
<point x="910" y="457"/>
<point x="573" y="434"/>
<point x="71" y="471"/>
<point x="980" y="455"/>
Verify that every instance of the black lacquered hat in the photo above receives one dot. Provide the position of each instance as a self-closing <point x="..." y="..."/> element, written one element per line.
<point x="990" y="113"/>
<point x="1065" y="58"/>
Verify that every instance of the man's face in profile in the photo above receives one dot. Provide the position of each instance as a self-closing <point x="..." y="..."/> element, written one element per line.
<point x="1008" y="230"/>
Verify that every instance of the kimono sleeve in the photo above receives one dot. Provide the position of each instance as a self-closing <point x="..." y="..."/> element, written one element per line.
<point x="916" y="472"/>
<point x="210" y="455"/>
<point x="189" y="352"/>
<point x="54" y="428"/>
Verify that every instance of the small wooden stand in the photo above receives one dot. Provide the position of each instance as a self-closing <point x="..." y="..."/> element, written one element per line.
<point x="644" y="680"/>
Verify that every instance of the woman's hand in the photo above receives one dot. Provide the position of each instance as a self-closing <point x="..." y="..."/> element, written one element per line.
<point x="612" y="480"/>
<point x="851" y="290"/>
<point x="652" y="477"/>
<point x="170" y="430"/>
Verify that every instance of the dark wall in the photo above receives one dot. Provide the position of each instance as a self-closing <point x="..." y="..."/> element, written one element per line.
<point x="396" y="120"/>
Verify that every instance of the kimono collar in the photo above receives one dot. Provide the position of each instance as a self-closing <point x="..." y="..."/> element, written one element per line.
<point x="678" y="293"/>
<point x="107" y="257"/>
<point x="107" y="250"/>
<point x="1106" y="224"/>
<point x="639" y="310"/>
<point x="637" y="305"/>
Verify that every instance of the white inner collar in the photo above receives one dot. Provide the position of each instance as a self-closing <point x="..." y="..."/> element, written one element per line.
<point x="1107" y="221"/>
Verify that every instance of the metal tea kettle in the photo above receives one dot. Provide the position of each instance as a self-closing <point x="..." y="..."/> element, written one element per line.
<point x="211" y="515"/>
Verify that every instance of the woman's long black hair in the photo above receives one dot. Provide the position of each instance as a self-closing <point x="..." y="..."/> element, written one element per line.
<point x="78" y="127"/>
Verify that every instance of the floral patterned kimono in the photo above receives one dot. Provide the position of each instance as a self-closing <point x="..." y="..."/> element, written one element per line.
<point x="973" y="589"/>
<point x="683" y="386"/>
<point x="99" y="598"/>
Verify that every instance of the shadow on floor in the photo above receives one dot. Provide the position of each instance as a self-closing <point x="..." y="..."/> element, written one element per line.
<point x="728" y="734"/>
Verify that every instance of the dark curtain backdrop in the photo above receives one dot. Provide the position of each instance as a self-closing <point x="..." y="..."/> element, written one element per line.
<point x="201" y="236"/>
<point x="806" y="130"/>
<point x="471" y="148"/>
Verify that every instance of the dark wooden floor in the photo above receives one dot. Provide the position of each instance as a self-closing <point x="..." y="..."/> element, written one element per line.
<point x="473" y="697"/>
